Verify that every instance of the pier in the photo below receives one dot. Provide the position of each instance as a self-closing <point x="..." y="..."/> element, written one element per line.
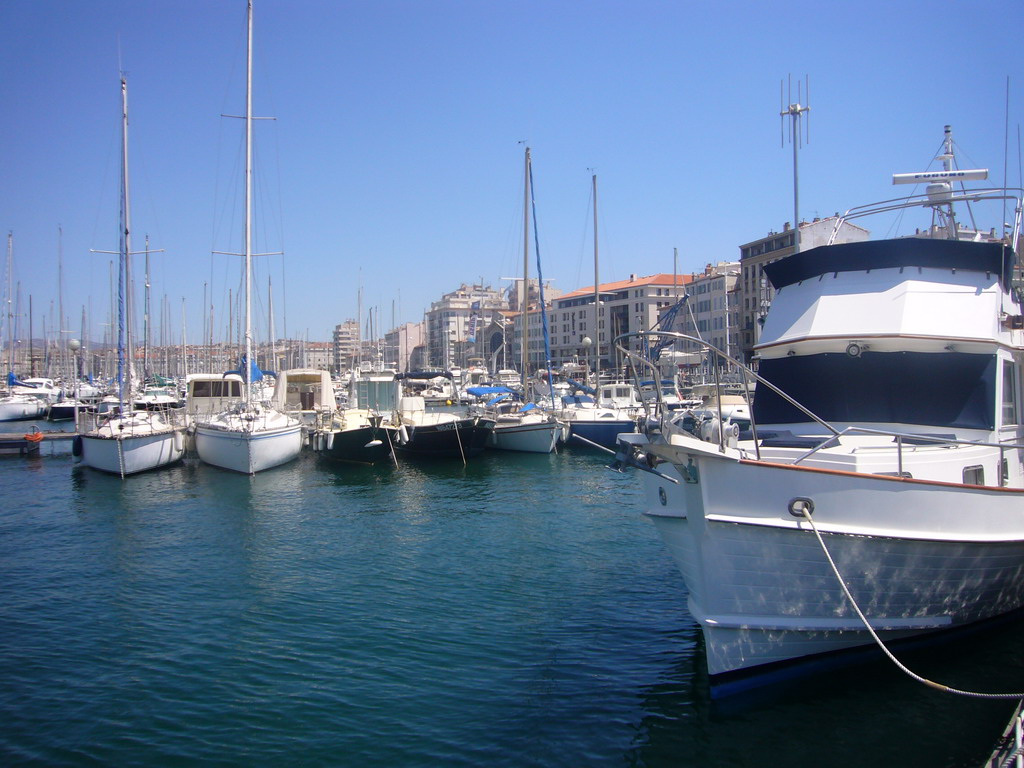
<point x="25" y="443"/>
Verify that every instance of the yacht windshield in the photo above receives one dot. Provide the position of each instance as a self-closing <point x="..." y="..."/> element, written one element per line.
<point x="946" y="389"/>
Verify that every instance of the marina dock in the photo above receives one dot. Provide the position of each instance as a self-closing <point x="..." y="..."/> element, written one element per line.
<point x="25" y="443"/>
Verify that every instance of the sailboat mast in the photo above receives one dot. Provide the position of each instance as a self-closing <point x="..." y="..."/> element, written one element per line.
<point x="524" y="308"/>
<point x="273" y="343"/>
<point x="247" y="375"/>
<point x="62" y="336"/>
<point x="145" y="320"/>
<point x="124" y="334"/>
<point x="31" y="351"/>
<point x="597" y="295"/>
<point x="10" y="313"/>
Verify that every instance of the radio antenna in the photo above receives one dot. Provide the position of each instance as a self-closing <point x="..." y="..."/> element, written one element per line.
<point x="795" y="111"/>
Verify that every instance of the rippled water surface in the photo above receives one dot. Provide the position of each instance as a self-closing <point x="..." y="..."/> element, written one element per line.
<point x="516" y="612"/>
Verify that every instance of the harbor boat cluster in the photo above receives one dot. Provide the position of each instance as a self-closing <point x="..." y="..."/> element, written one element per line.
<point x="855" y="481"/>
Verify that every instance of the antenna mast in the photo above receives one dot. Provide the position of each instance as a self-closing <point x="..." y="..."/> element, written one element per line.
<point x="795" y="110"/>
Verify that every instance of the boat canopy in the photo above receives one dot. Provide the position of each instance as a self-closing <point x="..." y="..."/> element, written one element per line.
<point x="483" y="391"/>
<point x="864" y="256"/>
<point x="424" y="375"/>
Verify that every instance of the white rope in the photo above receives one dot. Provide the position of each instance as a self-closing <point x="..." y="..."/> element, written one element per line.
<point x="390" y="446"/>
<point x="878" y="640"/>
<point x="459" y="439"/>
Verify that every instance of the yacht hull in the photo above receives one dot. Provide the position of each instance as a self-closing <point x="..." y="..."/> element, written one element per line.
<point x="361" y="445"/>
<point x="461" y="438"/>
<point x="918" y="556"/>
<point x="604" y="432"/>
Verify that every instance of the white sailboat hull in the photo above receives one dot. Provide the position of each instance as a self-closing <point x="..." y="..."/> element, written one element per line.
<point x="249" y="447"/>
<point x="133" y="444"/>
<point x="525" y="436"/>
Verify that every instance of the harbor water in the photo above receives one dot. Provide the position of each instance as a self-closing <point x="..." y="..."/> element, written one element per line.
<point x="518" y="611"/>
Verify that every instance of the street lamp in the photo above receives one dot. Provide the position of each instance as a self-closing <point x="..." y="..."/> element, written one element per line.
<point x="74" y="345"/>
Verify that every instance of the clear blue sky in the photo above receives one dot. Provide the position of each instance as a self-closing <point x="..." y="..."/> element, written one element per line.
<point x="395" y="160"/>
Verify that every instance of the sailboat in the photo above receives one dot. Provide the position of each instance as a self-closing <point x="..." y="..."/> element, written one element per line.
<point x="14" y="405"/>
<point x="248" y="436"/>
<point x="524" y="427"/>
<point x="125" y="442"/>
<point x="606" y="411"/>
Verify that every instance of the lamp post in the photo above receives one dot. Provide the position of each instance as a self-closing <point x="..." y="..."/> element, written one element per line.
<point x="74" y="345"/>
<point x="587" y="344"/>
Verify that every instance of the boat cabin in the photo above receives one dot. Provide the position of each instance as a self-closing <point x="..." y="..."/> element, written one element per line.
<point x="304" y="391"/>
<point x="208" y="393"/>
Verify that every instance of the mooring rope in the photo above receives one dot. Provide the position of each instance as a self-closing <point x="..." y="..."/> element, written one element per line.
<point x="459" y="439"/>
<point x="930" y="683"/>
<point x="391" y="447"/>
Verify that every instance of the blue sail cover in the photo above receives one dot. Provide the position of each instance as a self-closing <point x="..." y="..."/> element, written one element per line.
<point x="255" y="374"/>
<point x="14" y="381"/>
<point x="483" y="391"/>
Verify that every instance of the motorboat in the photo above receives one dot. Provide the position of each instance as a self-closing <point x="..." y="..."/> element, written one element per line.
<point x="440" y="433"/>
<point x="305" y="393"/>
<point x="518" y="426"/>
<point x="156" y="397"/>
<point x="877" y="494"/>
<point x="598" y="420"/>
<point x="364" y="432"/>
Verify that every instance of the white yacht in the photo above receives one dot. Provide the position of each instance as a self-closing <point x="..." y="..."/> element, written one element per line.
<point x="881" y="481"/>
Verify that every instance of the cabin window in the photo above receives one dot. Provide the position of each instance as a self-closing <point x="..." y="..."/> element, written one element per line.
<point x="974" y="475"/>
<point x="201" y="388"/>
<point x="1010" y="409"/>
<point x="948" y="389"/>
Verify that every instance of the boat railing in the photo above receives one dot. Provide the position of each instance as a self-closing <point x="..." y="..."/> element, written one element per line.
<point x="660" y="412"/>
<point x="996" y="194"/>
<point x="902" y="439"/>
<point x="90" y="421"/>
<point x="1009" y="750"/>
